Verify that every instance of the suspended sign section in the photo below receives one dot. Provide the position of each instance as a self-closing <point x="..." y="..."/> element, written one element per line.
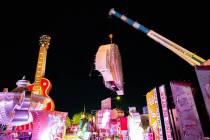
<point x="108" y="63"/>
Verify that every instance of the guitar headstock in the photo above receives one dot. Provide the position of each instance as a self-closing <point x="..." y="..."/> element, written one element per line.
<point x="44" y="41"/>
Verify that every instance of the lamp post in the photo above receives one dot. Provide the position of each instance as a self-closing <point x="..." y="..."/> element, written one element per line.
<point x="117" y="101"/>
<point x="118" y="98"/>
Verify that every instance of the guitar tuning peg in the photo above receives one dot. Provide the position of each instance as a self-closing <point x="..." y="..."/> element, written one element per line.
<point x="111" y="37"/>
<point x="24" y="77"/>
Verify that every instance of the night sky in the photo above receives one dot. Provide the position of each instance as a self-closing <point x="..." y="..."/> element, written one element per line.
<point x="77" y="30"/>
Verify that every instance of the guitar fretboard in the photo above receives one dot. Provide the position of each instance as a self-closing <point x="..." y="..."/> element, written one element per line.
<point x="40" y="70"/>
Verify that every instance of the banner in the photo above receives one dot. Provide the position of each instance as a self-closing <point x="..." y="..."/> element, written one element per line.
<point x="203" y="75"/>
<point x="154" y="115"/>
<point x="163" y="99"/>
<point x="190" y="127"/>
<point x="123" y="123"/>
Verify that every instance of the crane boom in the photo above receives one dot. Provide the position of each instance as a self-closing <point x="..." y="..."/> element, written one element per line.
<point x="188" y="56"/>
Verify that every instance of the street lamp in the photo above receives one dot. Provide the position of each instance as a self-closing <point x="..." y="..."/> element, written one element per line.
<point x="117" y="101"/>
<point x="118" y="98"/>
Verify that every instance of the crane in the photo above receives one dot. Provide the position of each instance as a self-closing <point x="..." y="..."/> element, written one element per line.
<point x="188" y="56"/>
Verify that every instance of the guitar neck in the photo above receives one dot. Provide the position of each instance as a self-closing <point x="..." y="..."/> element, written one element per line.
<point x="41" y="64"/>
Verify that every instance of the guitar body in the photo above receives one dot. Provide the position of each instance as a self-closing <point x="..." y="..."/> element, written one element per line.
<point x="45" y="87"/>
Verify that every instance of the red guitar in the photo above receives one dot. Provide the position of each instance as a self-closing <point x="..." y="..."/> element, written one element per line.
<point x="41" y="85"/>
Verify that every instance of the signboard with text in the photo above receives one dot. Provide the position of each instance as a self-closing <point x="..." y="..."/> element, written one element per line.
<point x="203" y="75"/>
<point x="190" y="127"/>
<point x="163" y="99"/>
<point x="154" y="115"/>
<point x="48" y="125"/>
